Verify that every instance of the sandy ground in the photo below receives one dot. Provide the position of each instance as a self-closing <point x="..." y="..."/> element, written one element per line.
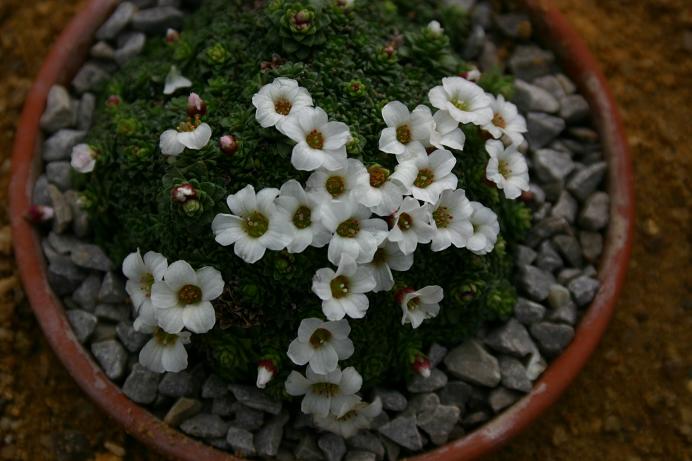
<point x="633" y="402"/>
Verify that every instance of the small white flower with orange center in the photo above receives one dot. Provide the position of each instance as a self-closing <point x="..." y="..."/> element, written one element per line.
<point x="192" y="134"/>
<point x="165" y="352"/>
<point x="357" y="418"/>
<point x="279" y="100"/>
<point x="404" y="128"/>
<point x="388" y="258"/>
<point x="337" y="185"/>
<point x="419" y="305"/>
<point x="411" y="225"/>
<point x="427" y="176"/>
<point x="321" y="344"/>
<point x="378" y="192"/>
<point x="175" y="81"/>
<point x="485" y="229"/>
<point x="507" y="168"/>
<point x="506" y="121"/>
<point x="465" y="101"/>
<point x="450" y="220"/>
<point x="183" y="298"/>
<point x="142" y="273"/>
<point x="333" y="393"/>
<point x="300" y="212"/>
<point x="343" y="292"/>
<point x="319" y="142"/>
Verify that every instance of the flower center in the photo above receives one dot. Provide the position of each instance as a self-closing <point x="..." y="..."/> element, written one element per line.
<point x="302" y="217"/>
<point x="163" y="338"/>
<point x="319" y="337"/>
<point x="405" y="222"/>
<point x="378" y="176"/>
<point x="460" y="104"/>
<point x="349" y="415"/>
<point x="424" y="179"/>
<point x="325" y="389"/>
<point x="499" y="121"/>
<point x="315" y="139"/>
<point x="413" y="304"/>
<point x="283" y="106"/>
<point x="189" y="125"/>
<point x="190" y="294"/>
<point x="348" y="228"/>
<point x="504" y="169"/>
<point x="403" y="134"/>
<point x="442" y="217"/>
<point x="256" y="224"/>
<point x="147" y="281"/>
<point x="380" y="257"/>
<point x="335" y="185"/>
<point x="340" y="287"/>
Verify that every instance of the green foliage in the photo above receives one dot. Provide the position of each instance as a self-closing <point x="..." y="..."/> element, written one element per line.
<point x="352" y="61"/>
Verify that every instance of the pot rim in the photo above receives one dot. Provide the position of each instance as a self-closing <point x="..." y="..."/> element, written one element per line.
<point x="63" y="61"/>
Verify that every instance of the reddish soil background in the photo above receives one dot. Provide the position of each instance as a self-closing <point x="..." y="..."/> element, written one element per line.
<point x="633" y="402"/>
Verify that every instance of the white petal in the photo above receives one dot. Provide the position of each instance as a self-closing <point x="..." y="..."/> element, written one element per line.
<point x="304" y="158"/>
<point x="211" y="282"/>
<point x="174" y="358"/>
<point x="150" y="356"/>
<point x="324" y="360"/>
<point x="395" y="113"/>
<point x="351" y="381"/>
<point x="162" y="296"/>
<point x="249" y="250"/>
<point x="299" y="352"/>
<point x="296" y="384"/>
<point x="171" y="319"/>
<point x="228" y="229"/>
<point x="157" y="263"/>
<point x="196" y="139"/>
<point x="133" y="266"/>
<point x="179" y="274"/>
<point x="169" y="143"/>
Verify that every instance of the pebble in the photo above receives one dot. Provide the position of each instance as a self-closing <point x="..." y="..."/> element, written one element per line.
<point x="455" y="393"/>
<point x="205" y="425"/>
<point x="567" y="313"/>
<point x="39" y="194"/>
<point x="155" y="21"/>
<point x="439" y="422"/>
<point x="435" y="381"/>
<point x="103" y="332"/>
<point x="565" y="275"/>
<point x="214" y="387"/>
<point x="574" y="108"/>
<point x="546" y="228"/>
<point x="112" y="357"/>
<point x="471" y="362"/>
<point x="102" y="50"/>
<point x="552" y="166"/>
<point x="536" y="365"/>
<point x="359" y="455"/>
<point x="502" y="398"/>
<point x="62" y="211"/>
<point x="85" y="113"/>
<point x="436" y="354"/>
<point x="224" y="406"/>
<point x="591" y="245"/>
<point x="181" y="384"/>
<point x="403" y="431"/>
<point x="268" y="439"/>
<point x="524" y="255"/>
<point x="112" y="312"/>
<point x="529" y="62"/>
<point x="367" y="441"/>
<point x="565" y="207"/>
<point x="543" y="128"/>
<point x="476" y="419"/>
<point x="90" y="256"/>
<point x="83" y="324"/>
<point x="585" y="182"/>
<point x="64" y="277"/>
<point x="514" y="374"/>
<point x="254" y="398"/>
<point x="87" y="293"/>
<point x="112" y="289"/>
<point x="182" y="409"/>
<point x="583" y="289"/>
<point x="392" y="450"/>
<point x="567" y="84"/>
<point x="307" y="449"/>
<point x="116" y="22"/>
<point x="535" y="282"/>
<point x="59" y="112"/>
<point x="89" y="78"/>
<point x="58" y="173"/>
<point x="552" y="338"/>
<point x="80" y="218"/>
<point x="552" y="85"/>
<point x="333" y="446"/>
<point x="569" y="248"/>
<point x="548" y="259"/>
<point x="474" y="43"/>
<point x="141" y="384"/>
<point x="241" y="441"/>
<point x="130" y="338"/>
<point x="391" y="400"/>
<point x="558" y="296"/>
<point x="528" y="312"/>
<point x="594" y="215"/>
<point x="248" y="418"/>
<point x="532" y="98"/>
<point x="488" y="59"/>
<point x="511" y="338"/>
<point x="133" y="44"/>
<point x="514" y="25"/>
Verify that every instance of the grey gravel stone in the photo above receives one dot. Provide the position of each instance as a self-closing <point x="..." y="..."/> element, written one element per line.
<point x="112" y="357"/>
<point x="64" y="277"/>
<point x="502" y="398"/>
<point x="403" y="430"/>
<point x="268" y="439"/>
<point x="514" y="25"/>
<point x="583" y="183"/>
<point x="254" y="398"/>
<point x="552" y="166"/>
<point x="510" y="338"/>
<point x="182" y="409"/>
<point x="529" y="61"/>
<point x="567" y="313"/>
<point x="241" y="440"/>
<point x="471" y="362"/>
<point x="308" y="450"/>
<point x="367" y="441"/>
<point x="435" y="381"/>
<point x="85" y="113"/>
<point x="247" y="418"/>
<point x="566" y="83"/>
<point x="112" y="312"/>
<point x="421" y="403"/>
<point x="565" y="275"/>
<point x="436" y="354"/>
<point x="476" y="419"/>
<point x="112" y="289"/>
<point x="528" y="312"/>
<point x="83" y="324"/>
<point x="157" y="20"/>
<point x="58" y="173"/>
<point x="89" y="78"/>
<point x="360" y="455"/>
<point x="531" y="98"/>
<point x="224" y="406"/>
<point x="132" y="340"/>
<point x="583" y="290"/>
<point x="392" y="450"/>
<point x="205" y="425"/>
<point x="524" y="255"/>
<point x="514" y="374"/>
<point x="474" y="43"/>
<point x="552" y="338"/>
<point x="80" y="218"/>
<point x="59" y="146"/>
<point x="391" y="400"/>
<point x="87" y="293"/>
<point x="546" y="228"/>
<point x="558" y="296"/>
<point x="552" y="85"/>
<point x="566" y="207"/>
<point x="574" y="108"/>
<point x="535" y="282"/>
<point x="333" y="446"/>
<point x="214" y="387"/>
<point x="102" y="50"/>
<point x="39" y="195"/>
<point x="548" y="258"/>
<point x="568" y="246"/>
<point x="543" y="128"/>
<point x="536" y="365"/>
<point x="140" y="386"/>
<point x="63" y="244"/>
<point x="131" y="47"/>
<point x="103" y="332"/>
<point x="117" y="21"/>
<point x="489" y="58"/>
<point x="90" y="256"/>
<point x="439" y="422"/>
<point x="595" y="214"/>
<point x="59" y="112"/>
<point x="591" y="245"/>
<point x="181" y="384"/>
<point x="455" y="393"/>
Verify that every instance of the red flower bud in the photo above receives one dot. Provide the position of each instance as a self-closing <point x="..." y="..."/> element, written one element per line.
<point x="228" y="144"/>
<point x="196" y="105"/>
<point x="421" y="365"/>
<point x="38" y="214"/>
<point x="266" y="370"/>
<point x="113" y="100"/>
<point x="399" y="295"/>
<point x="183" y="192"/>
<point x="172" y="36"/>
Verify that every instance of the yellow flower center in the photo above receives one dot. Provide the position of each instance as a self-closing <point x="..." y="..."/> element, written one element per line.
<point x="403" y="134"/>
<point x="283" y="106"/>
<point x="256" y="224"/>
<point x="504" y="169"/>
<point x="405" y="222"/>
<point x="499" y="121"/>
<point x="325" y="389"/>
<point x="315" y="139"/>
<point x="425" y="178"/>
<point x="190" y="294"/>
<point x="302" y="218"/>
<point x="442" y="217"/>
<point x="348" y="228"/>
<point x="335" y="185"/>
<point x="319" y="337"/>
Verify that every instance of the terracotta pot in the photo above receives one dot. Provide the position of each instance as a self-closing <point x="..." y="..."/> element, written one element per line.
<point x="64" y="60"/>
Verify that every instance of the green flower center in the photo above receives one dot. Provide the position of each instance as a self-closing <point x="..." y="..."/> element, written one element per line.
<point x="315" y="139"/>
<point x="460" y="104"/>
<point x="302" y="217"/>
<point x="163" y="338"/>
<point x="380" y="257"/>
<point x="442" y="217"/>
<point x="335" y="185"/>
<point x="499" y="121"/>
<point x="283" y="106"/>
<point x="405" y="222"/>
<point x="325" y="389"/>
<point x="340" y="287"/>
<point x="413" y="304"/>
<point x="256" y="224"/>
<point x="504" y="169"/>
<point x="425" y="178"/>
<point x="378" y="176"/>
<point x="403" y="134"/>
<point x="190" y="294"/>
<point x="147" y="281"/>
<point x="319" y="337"/>
<point x="348" y="228"/>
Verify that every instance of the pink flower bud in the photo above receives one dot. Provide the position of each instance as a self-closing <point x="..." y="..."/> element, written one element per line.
<point x="113" y="100"/>
<point x="39" y="214"/>
<point x="183" y="193"/>
<point x="172" y="36"/>
<point x="228" y="144"/>
<point x="421" y="365"/>
<point x="266" y="370"/>
<point x="196" y="105"/>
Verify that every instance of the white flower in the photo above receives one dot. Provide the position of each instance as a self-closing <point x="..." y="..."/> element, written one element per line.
<point x="300" y="210"/>
<point x="378" y="192"/>
<point x="358" y="417"/>
<point x="278" y="100"/>
<point x="420" y="305"/>
<point x="354" y="233"/>
<point x="321" y="344"/>
<point x="485" y="229"/>
<point x="473" y="74"/>
<point x="182" y="298"/>
<point x="388" y="257"/>
<point x="330" y="186"/>
<point x="343" y="292"/>
<point x="255" y="225"/>
<point x="191" y="135"/>
<point x="83" y="158"/>
<point x="506" y="120"/>
<point x="507" y="168"/>
<point x="435" y="28"/>
<point x="427" y="176"/>
<point x="404" y="128"/>
<point x="165" y="352"/>
<point x="411" y="225"/>
<point x="175" y="81"/>
<point x="141" y="275"/>
<point x="465" y="101"/>
<point x="451" y="220"/>
<point x="324" y="394"/>
<point x="320" y="143"/>
<point x="446" y="132"/>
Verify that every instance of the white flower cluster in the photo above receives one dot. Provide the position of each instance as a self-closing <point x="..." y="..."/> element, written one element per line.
<point x="168" y="299"/>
